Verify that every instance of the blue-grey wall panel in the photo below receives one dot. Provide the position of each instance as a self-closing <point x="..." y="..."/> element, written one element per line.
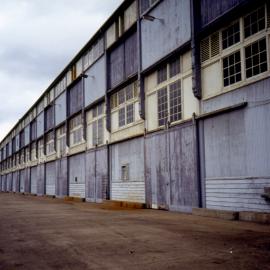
<point x="171" y="170"/>
<point x="40" y="124"/>
<point x="27" y="135"/>
<point x="96" y="175"/>
<point x="15" y="182"/>
<point x="76" y="97"/>
<point x="62" y="177"/>
<point x="50" y="170"/>
<point x="60" y="109"/>
<point x="27" y="182"/>
<point x="237" y="150"/>
<point x="17" y="142"/>
<point x="212" y="9"/>
<point x="34" y="180"/>
<point x="9" y="182"/>
<point x="160" y="37"/>
<point x="95" y="83"/>
<point x="77" y="175"/>
<point x="41" y="179"/>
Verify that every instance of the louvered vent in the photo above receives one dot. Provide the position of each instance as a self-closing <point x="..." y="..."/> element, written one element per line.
<point x="205" y="50"/>
<point x="215" y="44"/>
<point x="268" y="15"/>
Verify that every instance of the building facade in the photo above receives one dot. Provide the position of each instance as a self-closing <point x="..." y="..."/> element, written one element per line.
<point x="167" y="105"/>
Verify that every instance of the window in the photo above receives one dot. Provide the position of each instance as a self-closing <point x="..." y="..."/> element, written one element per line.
<point x="124" y="101"/>
<point x="76" y="130"/>
<point x="175" y="101"/>
<point x="122" y="117"/>
<point x="254" y="22"/>
<point x="175" y="67"/>
<point x="162" y="74"/>
<point x="125" y="172"/>
<point x="27" y="154"/>
<point x="162" y="106"/>
<point x="256" y="58"/>
<point x="61" y="140"/>
<point x="98" y="125"/>
<point x="231" y="35"/>
<point x="49" y="118"/>
<point x="232" y="69"/>
<point x="50" y="143"/>
<point x="22" y="157"/>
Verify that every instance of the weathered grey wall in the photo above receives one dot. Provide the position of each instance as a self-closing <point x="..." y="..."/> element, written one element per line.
<point x="76" y="97"/>
<point x="129" y="153"/>
<point x="160" y="37"/>
<point x="171" y="170"/>
<point x="34" y="179"/>
<point x="40" y="124"/>
<point x="9" y="182"/>
<point x="61" y="177"/>
<point x="4" y="183"/>
<point x="1" y="183"/>
<point x="96" y="175"/>
<point x="27" y="135"/>
<point x="60" y="109"/>
<point x="22" y="180"/>
<point x="237" y="150"/>
<point x="77" y="175"/>
<point x="50" y="178"/>
<point x="41" y="179"/>
<point x="15" y="182"/>
<point x="211" y="9"/>
<point x="27" y="183"/>
<point x="95" y="83"/>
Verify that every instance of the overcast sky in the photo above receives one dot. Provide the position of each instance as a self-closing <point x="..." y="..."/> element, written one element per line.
<point x="37" y="40"/>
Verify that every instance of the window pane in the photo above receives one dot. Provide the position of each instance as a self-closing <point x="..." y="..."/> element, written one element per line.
<point x="256" y="58"/>
<point x="232" y="69"/>
<point x="174" y="67"/>
<point x="130" y="113"/>
<point x="162" y="74"/>
<point x="254" y="22"/>
<point x="175" y="101"/>
<point x="162" y="106"/>
<point x="121" y="117"/>
<point x="231" y="35"/>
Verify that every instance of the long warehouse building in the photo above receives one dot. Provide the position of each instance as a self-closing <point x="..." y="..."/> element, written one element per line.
<point x="168" y="104"/>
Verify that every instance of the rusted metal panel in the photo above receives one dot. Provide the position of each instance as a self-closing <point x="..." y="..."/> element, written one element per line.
<point x="169" y="31"/>
<point x="34" y="180"/>
<point x="77" y="176"/>
<point x="127" y="170"/>
<point x="95" y="83"/>
<point x="96" y="175"/>
<point x="171" y="170"/>
<point x="41" y="179"/>
<point x="61" y="177"/>
<point x="50" y="178"/>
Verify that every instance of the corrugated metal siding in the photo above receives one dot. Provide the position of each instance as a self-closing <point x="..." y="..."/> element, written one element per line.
<point x="211" y="9"/>
<point x="76" y="97"/>
<point x="161" y="37"/>
<point x="22" y="180"/>
<point x="9" y="182"/>
<point x="27" y="180"/>
<point x="96" y="175"/>
<point x="77" y="176"/>
<point x="34" y="180"/>
<point x="60" y="108"/>
<point x="131" y="153"/>
<point x="237" y="154"/>
<point x="62" y="177"/>
<point x="4" y="183"/>
<point x="50" y="178"/>
<point x="41" y="179"/>
<point x="40" y="124"/>
<point x="95" y="83"/>
<point x="171" y="171"/>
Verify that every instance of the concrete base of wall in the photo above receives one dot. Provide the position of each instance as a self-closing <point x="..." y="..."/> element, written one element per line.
<point x="223" y="214"/>
<point x="124" y="204"/>
<point x="74" y="199"/>
<point x="50" y="196"/>
<point x="263" y="218"/>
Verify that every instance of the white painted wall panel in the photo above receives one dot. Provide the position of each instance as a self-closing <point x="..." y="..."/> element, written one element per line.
<point x="77" y="190"/>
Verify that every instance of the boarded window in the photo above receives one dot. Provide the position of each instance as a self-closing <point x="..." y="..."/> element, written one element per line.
<point x="49" y="118"/>
<point x="131" y="63"/>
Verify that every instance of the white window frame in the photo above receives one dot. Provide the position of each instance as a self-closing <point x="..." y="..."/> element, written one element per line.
<point x="75" y="130"/>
